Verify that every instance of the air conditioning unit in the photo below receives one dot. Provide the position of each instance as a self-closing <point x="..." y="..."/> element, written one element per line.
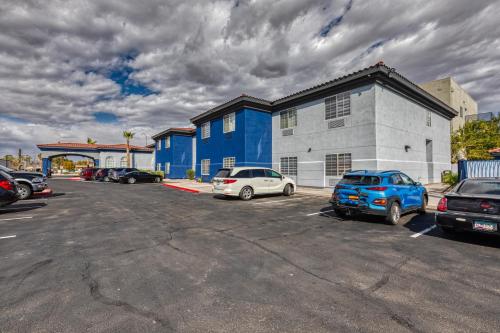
<point x="287" y="132"/>
<point x="336" y="123"/>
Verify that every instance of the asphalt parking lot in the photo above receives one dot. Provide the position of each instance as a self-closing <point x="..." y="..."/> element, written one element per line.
<point x="100" y="257"/>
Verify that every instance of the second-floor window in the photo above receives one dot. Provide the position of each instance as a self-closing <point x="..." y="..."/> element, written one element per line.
<point x="229" y="122"/>
<point x="167" y="142"/>
<point x="429" y="119"/>
<point x="205" y="130"/>
<point x="337" y="106"/>
<point x="158" y="145"/>
<point x="288" y="118"/>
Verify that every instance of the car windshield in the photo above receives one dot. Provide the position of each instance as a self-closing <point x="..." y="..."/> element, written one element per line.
<point x="480" y="187"/>
<point x="223" y="173"/>
<point x="360" y="180"/>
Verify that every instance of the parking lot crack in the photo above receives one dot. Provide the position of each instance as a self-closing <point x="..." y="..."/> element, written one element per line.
<point x="386" y="277"/>
<point x="99" y="297"/>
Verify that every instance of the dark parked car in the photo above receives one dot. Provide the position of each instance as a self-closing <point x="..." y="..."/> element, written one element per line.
<point x="8" y="189"/>
<point x="473" y="205"/>
<point x="102" y="175"/>
<point x="139" y="177"/>
<point x="88" y="173"/>
<point x="27" y="182"/>
<point x="116" y="173"/>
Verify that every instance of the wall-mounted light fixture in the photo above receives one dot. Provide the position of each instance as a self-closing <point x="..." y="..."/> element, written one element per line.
<point x="309" y="150"/>
<point x="407" y="147"/>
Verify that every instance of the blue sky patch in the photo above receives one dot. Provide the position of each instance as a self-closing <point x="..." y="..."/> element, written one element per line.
<point x="106" y="117"/>
<point x="13" y="119"/>
<point x="121" y="76"/>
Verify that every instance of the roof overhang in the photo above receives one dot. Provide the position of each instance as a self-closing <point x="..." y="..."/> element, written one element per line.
<point x="178" y="131"/>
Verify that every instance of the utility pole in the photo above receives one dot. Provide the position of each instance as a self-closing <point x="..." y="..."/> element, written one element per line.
<point x="19" y="158"/>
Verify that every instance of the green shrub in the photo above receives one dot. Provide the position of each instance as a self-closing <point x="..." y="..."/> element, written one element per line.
<point x="190" y="174"/>
<point x="450" y="178"/>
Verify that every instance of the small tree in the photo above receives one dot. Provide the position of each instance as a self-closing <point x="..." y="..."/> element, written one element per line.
<point x="91" y="141"/>
<point x="473" y="141"/>
<point x="128" y="135"/>
<point x="190" y="174"/>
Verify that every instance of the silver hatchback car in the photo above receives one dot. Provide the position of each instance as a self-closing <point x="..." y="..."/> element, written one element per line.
<point x="245" y="182"/>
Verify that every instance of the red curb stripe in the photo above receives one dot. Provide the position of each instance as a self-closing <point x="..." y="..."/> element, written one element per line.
<point x="185" y="189"/>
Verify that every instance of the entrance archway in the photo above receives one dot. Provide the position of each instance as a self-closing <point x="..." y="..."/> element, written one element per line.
<point x="47" y="162"/>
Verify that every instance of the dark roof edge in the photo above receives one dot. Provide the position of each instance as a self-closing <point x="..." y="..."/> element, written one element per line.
<point x="190" y="132"/>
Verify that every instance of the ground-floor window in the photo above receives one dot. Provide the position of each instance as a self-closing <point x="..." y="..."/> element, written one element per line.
<point x="228" y="162"/>
<point x="158" y="166"/>
<point x="167" y="168"/>
<point x="205" y="167"/>
<point x="123" y="162"/>
<point x="337" y="164"/>
<point x="109" y="162"/>
<point x="288" y="166"/>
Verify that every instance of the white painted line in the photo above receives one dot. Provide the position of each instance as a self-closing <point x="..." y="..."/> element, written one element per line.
<point x="318" y="213"/>
<point x="11" y="236"/>
<point x="275" y="201"/>
<point x="418" y="234"/>
<point x="17" y="218"/>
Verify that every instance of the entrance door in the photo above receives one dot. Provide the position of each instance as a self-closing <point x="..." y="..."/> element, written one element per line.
<point x="430" y="164"/>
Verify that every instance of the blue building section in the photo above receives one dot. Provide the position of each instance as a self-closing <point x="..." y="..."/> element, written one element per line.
<point x="247" y="143"/>
<point x="175" y="158"/>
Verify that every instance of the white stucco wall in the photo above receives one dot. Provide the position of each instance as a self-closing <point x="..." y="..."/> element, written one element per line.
<point x="140" y="160"/>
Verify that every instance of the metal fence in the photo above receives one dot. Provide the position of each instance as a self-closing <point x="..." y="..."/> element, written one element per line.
<point x="477" y="169"/>
<point x="480" y="116"/>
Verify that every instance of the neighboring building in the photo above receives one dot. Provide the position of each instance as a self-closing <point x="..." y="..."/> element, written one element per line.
<point x="104" y="156"/>
<point x="174" y="151"/>
<point x="237" y="133"/>
<point x="455" y="96"/>
<point x="495" y="153"/>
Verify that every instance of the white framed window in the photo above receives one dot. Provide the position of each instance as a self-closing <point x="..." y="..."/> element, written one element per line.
<point x="123" y="162"/>
<point x="109" y="162"/>
<point x="205" y="130"/>
<point x="205" y="167"/>
<point x="229" y="122"/>
<point x="337" y="106"/>
<point x="158" y="166"/>
<point x="337" y="164"/>
<point x="288" y="166"/>
<point x="288" y="118"/>
<point x="167" y="142"/>
<point x="167" y="168"/>
<point x="428" y="120"/>
<point x="228" y="162"/>
<point x="158" y="144"/>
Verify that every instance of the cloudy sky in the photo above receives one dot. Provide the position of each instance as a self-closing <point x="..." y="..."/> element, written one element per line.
<point x="72" y="69"/>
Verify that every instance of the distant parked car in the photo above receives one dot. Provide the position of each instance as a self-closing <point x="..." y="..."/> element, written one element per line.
<point x="139" y="177"/>
<point x="88" y="173"/>
<point x="8" y="189"/>
<point x="384" y="193"/>
<point x="115" y="173"/>
<point x="27" y="182"/>
<point x="102" y="175"/>
<point x="246" y="182"/>
<point x="472" y="205"/>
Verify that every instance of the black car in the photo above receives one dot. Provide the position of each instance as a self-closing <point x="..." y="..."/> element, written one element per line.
<point x="27" y="182"/>
<point x="102" y="175"/>
<point x="473" y="205"/>
<point x="139" y="177"/>
<point x="115" y="173"/>
<point x="8" y="189"/>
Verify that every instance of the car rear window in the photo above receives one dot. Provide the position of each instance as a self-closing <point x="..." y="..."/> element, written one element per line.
<point x="243" y="174"/>
<point x="480" y="187"/>
<point x="223" y="173"/>
<point x="360" y="180"/>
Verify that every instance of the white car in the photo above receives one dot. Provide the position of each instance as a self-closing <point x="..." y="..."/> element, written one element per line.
<point x="245" y="182"/>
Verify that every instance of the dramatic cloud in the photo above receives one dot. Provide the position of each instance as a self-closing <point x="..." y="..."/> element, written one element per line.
<point x="73" y="69"/>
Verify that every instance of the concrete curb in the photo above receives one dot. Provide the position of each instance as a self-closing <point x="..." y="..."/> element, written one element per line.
<point x="180" y="188"/>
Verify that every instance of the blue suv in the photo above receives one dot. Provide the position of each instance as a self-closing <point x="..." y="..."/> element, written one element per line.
<point x="385" y="193"/>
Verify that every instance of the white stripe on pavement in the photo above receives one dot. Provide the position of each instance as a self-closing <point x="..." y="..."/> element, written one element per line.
<point x="318" y="213"/>
<point x="11" y="236"/>
<point x="418" y="234"/>
<point x="17" y="218"/>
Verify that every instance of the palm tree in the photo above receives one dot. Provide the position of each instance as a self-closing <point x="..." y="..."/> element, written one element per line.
<point x="128" y="135"/>
<point x="91" y="141"/>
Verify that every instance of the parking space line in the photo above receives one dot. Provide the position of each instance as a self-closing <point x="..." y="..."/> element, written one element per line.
<point x="11" y="236"/>
<point x="17" y="218"/>
<point x="418" y="234"/>
<point x="319" y="213"/>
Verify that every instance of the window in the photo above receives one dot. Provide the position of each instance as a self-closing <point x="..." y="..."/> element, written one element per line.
<point x="229" y="122"/>
<point x="167" y="142"/>
<point x="337" y="164"/>
<point x="243" y="174"/>
<point x="407" y="180"/>
<point x="123" y="162"/>
<point x="288" y="118"/>
<point x="360" y="180"/>
<point x="158" y="145"/>
<point x="429" y="119"/>
<point x="205" y="167"/>
<point x="397" y="180"/>
<point x="272" y="174"/>
<point x="461" y="112"/>
<point x="223" y="173"/>
<point x="258" y="173"/>
<point x="158" y="166"/>
<point x="110" y="162"/>
<point x="205" y="130"/>
<point x="167" y="168"/>
<point x="288" y="166"/>
<point x="338" y="105"/>
<point x="228" y="162"/>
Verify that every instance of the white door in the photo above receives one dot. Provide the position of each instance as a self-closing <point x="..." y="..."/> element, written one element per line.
<point x="274" y="181"/>
<point x="260" y="182"/>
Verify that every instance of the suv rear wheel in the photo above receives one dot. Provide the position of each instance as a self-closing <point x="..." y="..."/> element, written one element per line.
<point x="246" y="193"/>
<point x="24" y="191"/>
<point x="422" y="208"/>
<point x="394" y="213"/>
<point x="288" y="190"/>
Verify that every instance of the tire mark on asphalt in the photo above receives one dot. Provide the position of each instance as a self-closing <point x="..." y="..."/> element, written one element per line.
<point x="99" y="297"/>
<point x="25" y="273"/>
<point x="386" y="277"/>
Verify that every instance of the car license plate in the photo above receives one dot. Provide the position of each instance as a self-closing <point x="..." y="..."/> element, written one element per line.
<point x="484" y="226"/>
<point x="353" y="197"/>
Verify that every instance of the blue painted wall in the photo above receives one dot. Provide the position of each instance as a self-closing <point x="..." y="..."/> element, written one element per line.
<point x="180" y="155"/>
<point x="249" y="144"/>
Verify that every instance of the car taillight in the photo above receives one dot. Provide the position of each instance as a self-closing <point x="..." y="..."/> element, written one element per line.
<point x="380" y="202"/>
<point x="6" y="185"/>
<point x="377" y="188"/>
<point x="229" y="181"/>
<point x="442" y="205"/>
<point x="485" y="205"/>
